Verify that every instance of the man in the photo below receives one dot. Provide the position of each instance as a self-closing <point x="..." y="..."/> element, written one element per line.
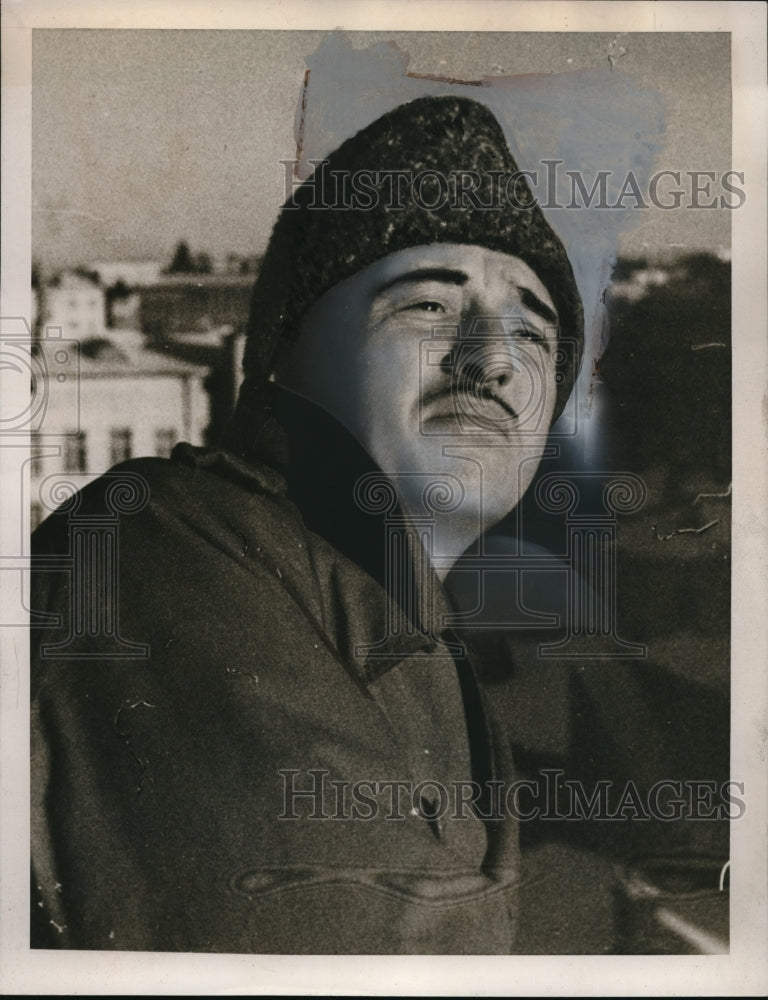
<point x="279" y="744"/>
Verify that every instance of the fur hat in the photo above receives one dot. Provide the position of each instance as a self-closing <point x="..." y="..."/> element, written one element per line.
<point x="437" y="169"/>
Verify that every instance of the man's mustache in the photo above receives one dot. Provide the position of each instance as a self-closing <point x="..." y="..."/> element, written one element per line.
<point x="468" y="389"/>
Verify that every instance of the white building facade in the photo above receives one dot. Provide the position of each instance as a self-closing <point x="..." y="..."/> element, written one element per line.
<point x="75" y="304"/>
<point x="110" y="400"/>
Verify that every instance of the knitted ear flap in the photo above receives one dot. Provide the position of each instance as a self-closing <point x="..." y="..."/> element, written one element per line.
<point x="435" y="170"/>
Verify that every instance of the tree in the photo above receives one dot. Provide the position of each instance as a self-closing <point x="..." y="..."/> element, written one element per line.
<point x="182" y="262"/>
<point x="203" y="264"/>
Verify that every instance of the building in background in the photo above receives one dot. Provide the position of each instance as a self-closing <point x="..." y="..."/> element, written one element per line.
<point x="74" y="302"/>
<point x="123" y="400"/>
<point x="194" y="303"/>
<point x="131" y="361"/>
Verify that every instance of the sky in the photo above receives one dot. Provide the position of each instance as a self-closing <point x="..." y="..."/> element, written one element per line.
<point x="143" y="138"/>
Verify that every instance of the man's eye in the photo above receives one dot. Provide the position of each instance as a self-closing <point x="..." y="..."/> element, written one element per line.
<point x="428" y="305"/>
<point x="528" y="333"/>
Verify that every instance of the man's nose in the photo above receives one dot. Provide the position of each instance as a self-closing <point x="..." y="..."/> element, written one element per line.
<point x="480" y="363"/>
<point x="477" y="366"/>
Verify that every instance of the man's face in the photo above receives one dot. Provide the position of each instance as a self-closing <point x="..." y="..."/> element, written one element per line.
<point x="440" y="360"/>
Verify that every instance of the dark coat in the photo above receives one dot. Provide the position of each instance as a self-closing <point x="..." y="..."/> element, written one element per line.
<point x="160" y="816"/>
<point x="252" y="658"/>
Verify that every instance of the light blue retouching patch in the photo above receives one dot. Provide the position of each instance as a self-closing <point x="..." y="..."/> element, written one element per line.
<point x="591" y="120"/>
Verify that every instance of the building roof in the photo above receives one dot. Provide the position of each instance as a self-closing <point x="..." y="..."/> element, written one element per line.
<point x="204" y="280"/>
<point x="130" y="272"/>
<point x="124" y="353"/>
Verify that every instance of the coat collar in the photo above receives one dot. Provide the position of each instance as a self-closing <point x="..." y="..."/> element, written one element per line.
<point x="373" y="619"/>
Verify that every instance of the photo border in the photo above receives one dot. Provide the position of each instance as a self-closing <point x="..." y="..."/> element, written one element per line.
<point x="745" y="970"/>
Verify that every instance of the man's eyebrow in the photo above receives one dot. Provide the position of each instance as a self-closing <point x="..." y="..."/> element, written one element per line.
<point x="447" y="275"/>
<point x="452" y="276"/>
<point x="532" y="301"/>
